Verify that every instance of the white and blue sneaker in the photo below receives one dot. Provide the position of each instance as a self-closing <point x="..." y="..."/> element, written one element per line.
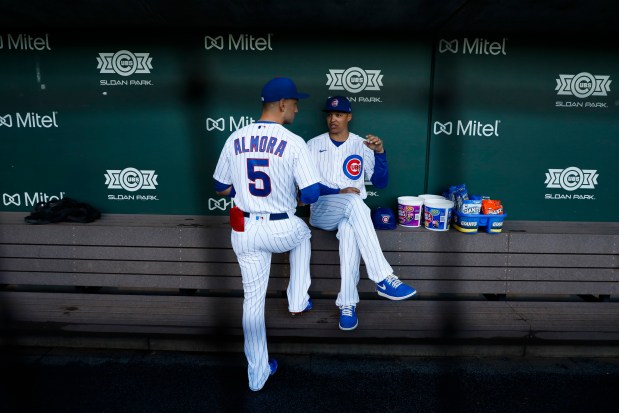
<point x="394" y="289"/>
<point x="348" y="318"/>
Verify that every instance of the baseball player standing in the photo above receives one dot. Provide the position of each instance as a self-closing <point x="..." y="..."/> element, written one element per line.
<point x="343" y="159"/>
<point x="261" y="165"/>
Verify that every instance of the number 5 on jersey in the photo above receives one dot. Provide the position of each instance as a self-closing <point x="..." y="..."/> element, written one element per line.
<point x="260" y="182"/>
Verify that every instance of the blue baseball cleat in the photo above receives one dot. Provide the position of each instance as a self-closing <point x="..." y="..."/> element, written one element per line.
<point x="394" y="289"/>
<point x="273" y="366"/>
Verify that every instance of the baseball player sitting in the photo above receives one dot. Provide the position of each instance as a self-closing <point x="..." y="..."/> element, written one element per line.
<point x="261" y="166"/>
<point x="343" y="159"/>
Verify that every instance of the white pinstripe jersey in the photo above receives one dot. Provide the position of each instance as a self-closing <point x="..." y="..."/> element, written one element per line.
<point x="345" y="165"/>
<point x="264" y="161"/>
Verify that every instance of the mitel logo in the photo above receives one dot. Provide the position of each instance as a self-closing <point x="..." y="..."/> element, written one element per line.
<point x="214" y="42"/>
<point x="221" y="204"/>
<point x="130" y="179"/>
<point x="9" y="199"/>
<point x="28" y="198"/>
<point x="354" y="79"/>
<point x="445" y="128"/>
<point x="215" y="124"/>
<point x="477" y="46"/>
<point x="6" y="120"/>
<point x="470" y="128"/>
<point x="244" y="42"/>
<point x="233" y="124"/>
<point x="29" y="120"/>
<point x="25" y="42"/>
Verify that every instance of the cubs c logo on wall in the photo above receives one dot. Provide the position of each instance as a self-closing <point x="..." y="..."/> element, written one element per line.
<point x="353" y="167"/>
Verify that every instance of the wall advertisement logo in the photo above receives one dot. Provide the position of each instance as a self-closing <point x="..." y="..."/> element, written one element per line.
<point x="356" y="80"/>
<point x="29" y="120"/>
<point x="570" y="179"/>
<point x="131" y="180"/>
<point x="221" y="204"/>
<point x="233" y="123"/>
<point x="124" y="63"/>
<point x="29" y="199"/>
<point x="243" y="42"/>
<point x="467" y="128"/>
<point x="215" y="124"/>
<point x="582" y="86"/>
<point x="476" y="46"/>
<point x="24" y="42"/>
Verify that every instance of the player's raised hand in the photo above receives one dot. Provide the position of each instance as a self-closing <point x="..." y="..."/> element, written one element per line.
<point x="374" y="143"/>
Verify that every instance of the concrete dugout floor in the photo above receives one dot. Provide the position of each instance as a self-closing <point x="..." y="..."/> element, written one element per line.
<point x="91" y="381"/>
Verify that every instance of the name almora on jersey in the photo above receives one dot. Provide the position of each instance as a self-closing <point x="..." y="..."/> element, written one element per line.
<point x="260" y="144"/>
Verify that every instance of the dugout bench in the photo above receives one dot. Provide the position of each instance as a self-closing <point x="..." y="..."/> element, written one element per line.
<point x="157" y="281"/>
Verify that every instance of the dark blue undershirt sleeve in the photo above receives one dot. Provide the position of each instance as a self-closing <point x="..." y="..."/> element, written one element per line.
<point x="326" y="190"/>
<point x="220" y="186"/>
<point x="380" y="178"/>
<point x="310" y="194"/>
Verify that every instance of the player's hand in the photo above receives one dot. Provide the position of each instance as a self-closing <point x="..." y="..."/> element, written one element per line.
<point x="374" y="143"/>
<point x="350" y="190"/>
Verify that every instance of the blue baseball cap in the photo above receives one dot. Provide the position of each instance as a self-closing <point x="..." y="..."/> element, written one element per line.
<point x="383" y="218"/>
<point x="281" y="88"/>
<point x="338" y="104"/>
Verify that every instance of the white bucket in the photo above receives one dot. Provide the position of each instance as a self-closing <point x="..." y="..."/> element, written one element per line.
<point x="437" y="214"/>
<point x="430" y="196"/>
<point x="409" y="211"/>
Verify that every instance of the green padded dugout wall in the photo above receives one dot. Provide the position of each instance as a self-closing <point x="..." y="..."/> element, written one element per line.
<point x="533" y="122"/>
<point x="133" y="121"/>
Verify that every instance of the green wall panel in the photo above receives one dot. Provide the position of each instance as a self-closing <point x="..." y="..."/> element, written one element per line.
<point x="547" y="156"/>
<point x="133" y="121"/>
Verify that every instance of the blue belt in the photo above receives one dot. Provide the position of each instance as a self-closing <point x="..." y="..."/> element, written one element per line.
<point x="272" y="217"/>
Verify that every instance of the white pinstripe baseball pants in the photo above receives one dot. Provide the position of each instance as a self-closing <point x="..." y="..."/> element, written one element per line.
<point x="351" y="216"/>
<point x="253" y="249"/>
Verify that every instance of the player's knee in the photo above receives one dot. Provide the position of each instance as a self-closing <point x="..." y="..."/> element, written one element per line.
<point x="356" y="204"/>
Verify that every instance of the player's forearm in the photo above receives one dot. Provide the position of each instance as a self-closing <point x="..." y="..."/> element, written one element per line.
<point x="327" y="190"/>
<point x="380" y="177"/>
